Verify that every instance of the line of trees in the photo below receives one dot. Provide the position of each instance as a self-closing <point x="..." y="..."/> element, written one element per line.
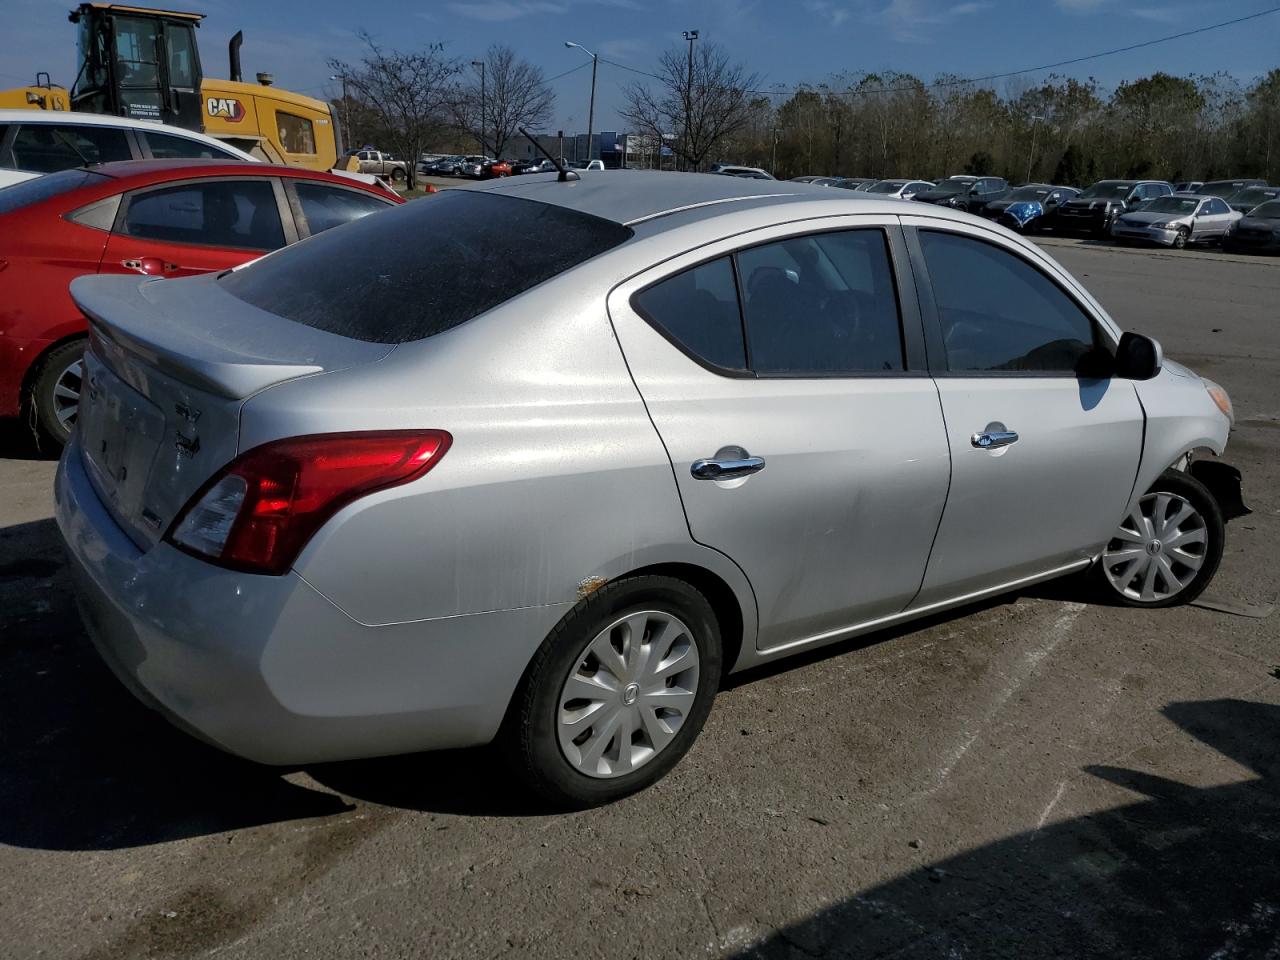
<point x="1062" y="130"/>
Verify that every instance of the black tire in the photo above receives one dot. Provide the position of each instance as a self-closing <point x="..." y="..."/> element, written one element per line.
<point x="1182" y="239"/>
<point x="1197" y="494"/>
<point x="43" y="401"/>
<point x="398" y="175"/>
<point x="529" y="737"/>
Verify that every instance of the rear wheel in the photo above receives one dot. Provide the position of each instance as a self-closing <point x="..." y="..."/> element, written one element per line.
<point x="1168" y="548"/>
<point x="398" y="175"/>
<point x="617" y="693"/>
<point x="55" y="391"/>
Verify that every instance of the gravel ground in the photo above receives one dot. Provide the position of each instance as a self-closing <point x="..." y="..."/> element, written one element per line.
<point x="1034" y="777"/>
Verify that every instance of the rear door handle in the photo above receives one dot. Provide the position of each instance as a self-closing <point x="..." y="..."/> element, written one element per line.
<point x="991" y="439"/>
<point x="726" y="469"/>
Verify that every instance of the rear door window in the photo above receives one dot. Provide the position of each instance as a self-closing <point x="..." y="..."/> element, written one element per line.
<point x="221" y="213"/>
<point x="49" y="147"/>
<point x="166" y="146"/>
<point x="822" y="305"/>
<point x="326" y="207"/>
<point x="1000" y="314"/>
<point x="697" y="310"/>
<point x="424" y="267"/>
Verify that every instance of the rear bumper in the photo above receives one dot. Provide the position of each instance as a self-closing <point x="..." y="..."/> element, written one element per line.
<point x="266" y="667"/>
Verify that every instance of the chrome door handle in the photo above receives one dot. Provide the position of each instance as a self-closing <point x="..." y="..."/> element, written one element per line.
<point x="726" y="469"/>
<point x="1000" y="438"/>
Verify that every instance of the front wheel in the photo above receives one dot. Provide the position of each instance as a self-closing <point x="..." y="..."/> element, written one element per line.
<point x="1167" y="549"/>
<point x="617" y="693"/>
<point x="1182" y="238"/>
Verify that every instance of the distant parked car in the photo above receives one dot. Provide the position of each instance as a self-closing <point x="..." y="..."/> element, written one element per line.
<point x="1187" y="186"/>
<point x="381" y="165"/>
<point x="806" y="179"/>
<point x="485" y="169"/>
<point x="1258" y="231"/>
<point x="901" y="189"/>
<point x="966" y="193"/>
<point x="588" y="165"/>
<point x="532" y="165"/>
<point x="1093" y="211"/>
<point x="1177" y="220"/>
<point x="824" y="181"/>
<point x="1248" y="198"/>
<point x="36" y="142"/>
<point x="735" y="170"/>
<point x="159" y="218"/>
<point x="1225" y="188"/>
<point x="854" y="183"/>
<point x="1026" y="207"/>
<point x="439" y="167"/>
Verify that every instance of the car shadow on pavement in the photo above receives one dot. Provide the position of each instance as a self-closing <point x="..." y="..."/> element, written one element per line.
<point x="83" y="765"/>
<point x="19" y="442"/>
<point x="1185" y="872"/>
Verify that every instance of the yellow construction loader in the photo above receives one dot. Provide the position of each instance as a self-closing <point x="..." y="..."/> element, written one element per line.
<point x="144" y="63"/>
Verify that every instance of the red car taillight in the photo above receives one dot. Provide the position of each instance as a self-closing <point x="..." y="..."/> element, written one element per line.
<point x="260" y="510"/>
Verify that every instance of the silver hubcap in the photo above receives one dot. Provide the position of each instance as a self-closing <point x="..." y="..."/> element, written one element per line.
<point x="66" y="394"/>
<point x="630" y="692"/>
<point x="1158" y="550"/>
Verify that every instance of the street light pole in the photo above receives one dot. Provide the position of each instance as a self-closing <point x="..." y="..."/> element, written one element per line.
<point x="346" y="112"/>
<point x="480" y="64"/>
<point x="591" y="110"/>
<point x="1031" y="157"/>
<point x="690" y="35"/>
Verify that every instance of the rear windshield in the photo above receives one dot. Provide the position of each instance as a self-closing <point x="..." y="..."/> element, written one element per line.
<point x="417" y="270"/>
<point x="42" y="188"/>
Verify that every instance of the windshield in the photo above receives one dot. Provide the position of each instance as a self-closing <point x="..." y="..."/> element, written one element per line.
<point x="1107" y="191"/>
<point x="42" y="188"/>
<point x="1181" y="206"/>
<point x="414" y="271"/>
<point x="1222" y="190"/>
<point x="1029" y="193"/>
<point x="1268" y="211"/>
<point x="947" y="187"/>
<point x="887" y="186"/>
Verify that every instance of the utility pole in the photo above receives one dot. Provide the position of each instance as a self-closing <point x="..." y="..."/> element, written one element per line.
<point x="483" y="149"/>
<point x="591" y="110"/>
<point x="1031" y="157"/>
<point x="346" y="112"/>
<point x="690" y="35"/>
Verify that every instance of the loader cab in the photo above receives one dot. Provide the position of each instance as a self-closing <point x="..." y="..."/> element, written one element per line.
<point x="139" y="63"/>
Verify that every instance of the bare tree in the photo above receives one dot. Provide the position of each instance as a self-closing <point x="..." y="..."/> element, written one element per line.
<point x="407" y="93"/>
<point x="514" y="94"/>
<point x="701" y="98"/>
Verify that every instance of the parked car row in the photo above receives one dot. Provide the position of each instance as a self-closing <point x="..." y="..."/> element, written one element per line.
<point x="476" y="167"/>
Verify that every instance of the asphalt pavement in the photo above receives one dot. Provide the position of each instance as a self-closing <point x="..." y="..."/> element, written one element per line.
<point x="1035" y="777"/>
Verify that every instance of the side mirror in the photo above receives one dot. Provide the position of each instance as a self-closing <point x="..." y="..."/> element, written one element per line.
<point x="1138" y="357"/>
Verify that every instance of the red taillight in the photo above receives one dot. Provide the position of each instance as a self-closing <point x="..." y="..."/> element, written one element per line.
<point x="259" y="512"/>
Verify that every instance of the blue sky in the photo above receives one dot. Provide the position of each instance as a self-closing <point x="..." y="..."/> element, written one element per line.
<point x="785" y="41"/>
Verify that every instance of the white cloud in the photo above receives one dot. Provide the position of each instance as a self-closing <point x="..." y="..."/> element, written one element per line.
<point x="912" y="20"/>
<point x="1080" y="6"/>
<point x="626" y="49"/>
<point x="499" y="10"/>
<point x="833" y="13"/>
<point x="1159" y="14"/>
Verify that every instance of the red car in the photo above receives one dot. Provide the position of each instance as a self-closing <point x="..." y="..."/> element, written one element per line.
<point x="164" y="218"/>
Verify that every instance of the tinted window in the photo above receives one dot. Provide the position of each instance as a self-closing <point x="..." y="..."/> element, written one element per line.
<point x="219" y="213"/>
<point x="48" y="147"/>
<point x="26" y="192"/>
<point x="698" y="309"/>
<point x="182" y="55"/>
<point x="1217" y="206"/>
<point x="424" y="267"/>
<point x="1000" y="313"/>
<point x="326" y="207"/>
<point x="1269" y="210"/>
<point x="165" y="146"/>
<point x="822" y="304"/>
<point x="296" y="133"/>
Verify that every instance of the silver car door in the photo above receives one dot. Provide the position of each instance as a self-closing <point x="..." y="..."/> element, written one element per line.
<point x="824" y="483"/>
<point x="1043" y="455"/>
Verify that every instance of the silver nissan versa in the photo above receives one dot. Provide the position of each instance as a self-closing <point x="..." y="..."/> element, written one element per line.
<point x="539" y="462"/>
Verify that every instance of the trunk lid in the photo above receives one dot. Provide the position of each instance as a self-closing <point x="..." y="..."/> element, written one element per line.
<point x="169" y="366"/>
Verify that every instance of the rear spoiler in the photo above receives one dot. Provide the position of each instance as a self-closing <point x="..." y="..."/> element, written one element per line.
<point x="192" y="337"/>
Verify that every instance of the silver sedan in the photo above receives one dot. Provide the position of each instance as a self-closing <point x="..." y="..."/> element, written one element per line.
<point x="418" y="483"/>
<point x="1177" y="220"/>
